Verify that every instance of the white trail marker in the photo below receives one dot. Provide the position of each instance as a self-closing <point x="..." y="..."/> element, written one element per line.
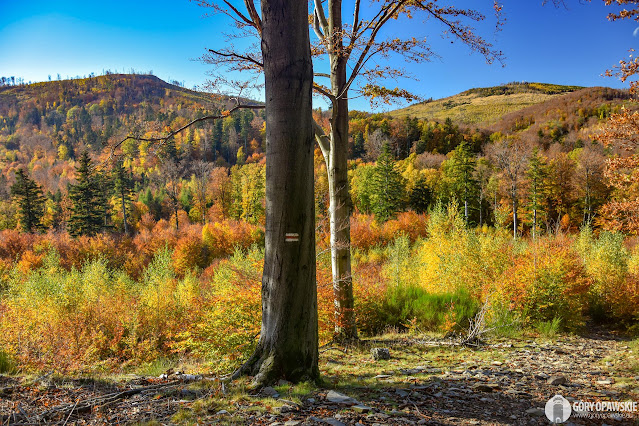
<point x="292" y="237"/>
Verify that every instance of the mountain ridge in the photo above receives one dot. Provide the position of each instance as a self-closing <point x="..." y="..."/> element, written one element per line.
<point x="484" y="106"/>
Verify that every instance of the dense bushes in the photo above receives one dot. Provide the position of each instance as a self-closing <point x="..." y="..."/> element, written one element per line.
<point x="99" y="317"/>
<point x="367" y="233"/>
<point x="438" y="282"/>
<point x="98" y="303"/>
<point x="546" y="282"/>
<point x="195" y="246"/>
<point x="614" y="292"/>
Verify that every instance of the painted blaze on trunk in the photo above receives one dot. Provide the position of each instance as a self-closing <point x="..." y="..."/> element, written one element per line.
<point x="288" y="345"/>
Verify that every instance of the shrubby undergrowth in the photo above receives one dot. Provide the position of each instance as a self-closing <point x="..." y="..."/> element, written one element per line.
<point x="105" y="304"/>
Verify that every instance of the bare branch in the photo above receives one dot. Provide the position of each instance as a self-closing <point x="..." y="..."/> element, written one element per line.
<point x="317" y="26"/>
<point x="257" y="21"/>
<point x="239" y="14"/>
<point x="322" y="90"/>
<point x="319" y="12"/>
<point x="384" y="15"/>
<point x="172" y="133"/>
<point x="322" y="139"/>
<point x="464" y="33"/>
<point x="240" y="19"/>
<point x="237" y="56"/>
<point x="364" y="35"/>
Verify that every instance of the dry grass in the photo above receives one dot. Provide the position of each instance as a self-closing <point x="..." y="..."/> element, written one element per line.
<point x="472" y="108"/>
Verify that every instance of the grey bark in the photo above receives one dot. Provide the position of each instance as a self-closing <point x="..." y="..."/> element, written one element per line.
<point x="514" y="197"/>
<point x="288" y="345"/>
<point x="339" y="192"/>
<point x="126" y="227"/>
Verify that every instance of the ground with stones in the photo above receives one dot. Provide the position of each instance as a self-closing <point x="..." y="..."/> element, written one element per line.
<point x="423" y="382"/>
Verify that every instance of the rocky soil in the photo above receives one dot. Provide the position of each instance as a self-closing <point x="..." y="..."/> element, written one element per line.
<point x="507" y="383"/>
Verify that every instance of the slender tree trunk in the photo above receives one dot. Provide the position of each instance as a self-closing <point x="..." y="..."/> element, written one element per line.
<point x="588" y="215"/>
<point x="339" y="213"/>
<point x="466" y="210"/>
<point x="126" y="227"/>
<point x="481" y="208"/>
<point x="339" y="194"/>
<point x="288" y="345"/>
<point x="514" y="196"/>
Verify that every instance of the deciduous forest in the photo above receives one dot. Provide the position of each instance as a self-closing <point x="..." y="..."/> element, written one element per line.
<point x="502" y="214"/>
<point x="193" y="205"/>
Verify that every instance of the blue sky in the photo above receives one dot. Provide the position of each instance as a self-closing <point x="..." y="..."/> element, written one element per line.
<point x="566" y="45"/>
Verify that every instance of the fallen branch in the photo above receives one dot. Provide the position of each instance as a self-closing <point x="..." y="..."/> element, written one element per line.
<point x="71" y="412"/>
<point x="66" y="410"/>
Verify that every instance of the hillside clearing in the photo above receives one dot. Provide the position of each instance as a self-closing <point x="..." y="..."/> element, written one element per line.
<point x="472" y="109"/>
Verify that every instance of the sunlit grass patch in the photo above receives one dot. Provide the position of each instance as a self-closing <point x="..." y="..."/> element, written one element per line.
<point x="549" y="329"/>
<point x="156" y="367"/>
<point x="7" y="365"/>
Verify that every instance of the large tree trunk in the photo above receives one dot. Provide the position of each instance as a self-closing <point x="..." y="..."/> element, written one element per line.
<point x="339" y="193"/>
<point x="288" y="345"/>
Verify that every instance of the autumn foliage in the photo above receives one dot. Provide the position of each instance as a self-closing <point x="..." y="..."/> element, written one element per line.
<point x="183" y="282"/>
<point x="85" y="305"/>
<point x="622" y="172"/>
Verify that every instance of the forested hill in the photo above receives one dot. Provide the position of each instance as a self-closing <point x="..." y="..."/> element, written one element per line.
<point x="481" y="107"/>
<point x="47" y="125"/>
<point x="124" y="88"/>
<point x="567" y="118"/>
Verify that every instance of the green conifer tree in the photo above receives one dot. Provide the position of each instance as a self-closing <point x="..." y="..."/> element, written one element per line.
<point x="57" y="221"/>
<point x="88" y="203"/>
<point x="421" y="196"/>
<point x="168" y="151"/>
<point x="358" y="145"/>
<point x="388" y="187"/>
<point x="123" y="185"/>
<point x="537" y="174"/>
<point x="30" y="199"/>
<point x="461" y="169"/>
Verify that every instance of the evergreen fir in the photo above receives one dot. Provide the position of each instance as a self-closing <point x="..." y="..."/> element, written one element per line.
<point x="57" y="219"/>
<point x="421" y="196"/>
<point x="168" y="150"/>
<point x="461" y="170"/>
<point x="388" y="187"/>
<point x="123" y="185"/>
<point x="87" y="200"/>
<point x="537" y="174"/>
<point x="358" y="145"/>
<point x="30" y="199"/>
<point x="104" y="181"/>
